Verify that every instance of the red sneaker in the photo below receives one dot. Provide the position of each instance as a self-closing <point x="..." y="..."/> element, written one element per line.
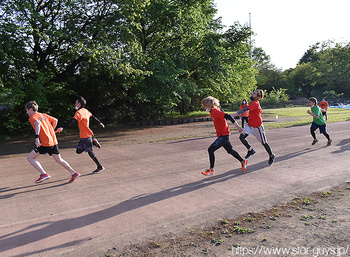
<point x="42" y="177"/>
<point x="208" y="172"/>
<point x="244" y="165"/>
<point x="74" y="177"/>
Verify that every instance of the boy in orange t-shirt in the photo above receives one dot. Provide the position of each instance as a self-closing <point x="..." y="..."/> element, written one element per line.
<point x="45" y="141"/>
<point x="82" y="116"/>
<point x="324" y="106"/>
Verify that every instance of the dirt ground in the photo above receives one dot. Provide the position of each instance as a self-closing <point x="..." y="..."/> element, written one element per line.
<point x="310" y="225"/>
<point x="314" y="225"/>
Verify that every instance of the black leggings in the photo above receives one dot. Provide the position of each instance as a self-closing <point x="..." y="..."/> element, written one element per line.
<point x="243" y="138"/>
<point x="219" y="142"/>
<point x="92" y="156"/>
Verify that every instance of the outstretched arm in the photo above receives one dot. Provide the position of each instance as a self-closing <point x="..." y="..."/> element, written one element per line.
<point x="66" y="125"/>
<point x="240" y="111"/>
<point x="98" y="121"/>
<point x="229" y="117"/>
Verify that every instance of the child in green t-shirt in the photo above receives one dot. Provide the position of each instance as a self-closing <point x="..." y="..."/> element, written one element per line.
<point x="318" y="121"/>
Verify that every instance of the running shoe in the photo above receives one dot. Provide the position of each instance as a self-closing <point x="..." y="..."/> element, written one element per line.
<point x="98" y="170"/>
<point x="244" y="165"/>
<point x="74" y="177"/>
<point x="42" y="177"/>
<point x="249" y="153"/>
<point x="96" y="143"/>
<point x="208" y="172"/>
<point x="329" y="142"/>
<point x="315" y="141"/>
<point x="272" y="159"/>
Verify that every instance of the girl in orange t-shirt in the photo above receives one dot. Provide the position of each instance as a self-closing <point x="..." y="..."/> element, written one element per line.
<point x="244" y="115"/>
<point x="82" y="116"/>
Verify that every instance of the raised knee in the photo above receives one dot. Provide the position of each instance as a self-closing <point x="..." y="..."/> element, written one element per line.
<point x="79" y="151"/>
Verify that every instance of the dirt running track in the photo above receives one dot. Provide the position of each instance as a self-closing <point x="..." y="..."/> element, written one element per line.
<point x="152" y="189"/>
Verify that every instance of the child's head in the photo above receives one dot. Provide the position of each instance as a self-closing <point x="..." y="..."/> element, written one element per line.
<point x="31" y="107"/>
<point x="312" y="101"/>
<point x="257" y="94"/>
<point x="210" y="102"/>
<point x="80" y="102"/>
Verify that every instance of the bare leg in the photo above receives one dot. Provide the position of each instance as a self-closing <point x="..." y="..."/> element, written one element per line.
<point x="34" y="162"/>
<point x="62" y="162"/>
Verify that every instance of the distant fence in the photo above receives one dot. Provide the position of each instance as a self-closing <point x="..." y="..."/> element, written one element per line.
<point x="170" y="121"/>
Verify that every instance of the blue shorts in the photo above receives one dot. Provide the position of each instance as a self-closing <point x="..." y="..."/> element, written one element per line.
<point x="322" y="128"/>
<point x="85" y="144"/>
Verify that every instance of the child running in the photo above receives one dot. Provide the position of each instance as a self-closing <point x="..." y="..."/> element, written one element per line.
<point x="244" y="115"/>
<point x="255" y="126"/>
<point x="82" y="115"/>
<point x="318" y="121"/>
<point x="45" y="141"/>
<point x="324" y="106"/>
<point x="219" y="118"/>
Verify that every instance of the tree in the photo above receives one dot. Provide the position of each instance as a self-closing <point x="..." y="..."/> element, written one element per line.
<point x="305" y="77"/>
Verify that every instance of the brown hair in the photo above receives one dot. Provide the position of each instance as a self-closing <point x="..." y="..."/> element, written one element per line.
<point x="313" y="99"/>
<point x="33" y="105"/>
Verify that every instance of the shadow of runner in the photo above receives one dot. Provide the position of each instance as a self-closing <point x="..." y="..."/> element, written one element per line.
<point x="44" y="230"/>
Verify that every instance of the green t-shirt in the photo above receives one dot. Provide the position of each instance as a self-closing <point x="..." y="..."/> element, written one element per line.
<point x="317" y="111"/>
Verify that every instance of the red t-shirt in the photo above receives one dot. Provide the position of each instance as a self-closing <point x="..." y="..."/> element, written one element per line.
<point x="47" y="134"/>
<point x="255" y="110"/>
<point x="220" y="123"/>
<point x="83" y="118"/>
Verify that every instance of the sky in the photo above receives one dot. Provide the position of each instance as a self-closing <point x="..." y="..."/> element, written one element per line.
<point x="285" y="30"/>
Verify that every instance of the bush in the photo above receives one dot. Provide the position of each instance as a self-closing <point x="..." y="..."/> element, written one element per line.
<point x="275" y="99"/>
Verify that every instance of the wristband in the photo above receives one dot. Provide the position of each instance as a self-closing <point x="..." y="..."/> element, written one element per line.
<point x="36" y="136"/>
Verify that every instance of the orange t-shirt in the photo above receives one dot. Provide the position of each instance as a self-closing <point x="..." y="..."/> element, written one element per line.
<point x="47" y="134"/>
<point x="323" y="105"/>
<point x="83" y="117"/>
<point x="246" y="113"/>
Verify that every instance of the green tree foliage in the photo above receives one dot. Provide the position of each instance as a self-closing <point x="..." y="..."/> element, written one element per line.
<point x="305" y="77"/>
<point x="130" y="59"/>
<point x="329" y="66"/>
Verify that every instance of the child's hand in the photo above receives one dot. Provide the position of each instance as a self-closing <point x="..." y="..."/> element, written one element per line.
<point x="309" y="112"/>
<point x="59" y="130"/>
<point x="37" y="142"/>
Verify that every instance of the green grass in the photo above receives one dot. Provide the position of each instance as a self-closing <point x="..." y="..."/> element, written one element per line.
<point x="298" y="116"/>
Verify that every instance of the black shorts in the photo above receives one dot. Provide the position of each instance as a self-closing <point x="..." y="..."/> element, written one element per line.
<point x="47" y="149"/>
<point x="85" y="144"/>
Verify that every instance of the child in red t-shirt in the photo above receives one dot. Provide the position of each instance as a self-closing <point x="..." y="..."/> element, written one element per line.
<point x="255" y="126"/>
<point x="45" y="141"/>
<point x="82" y="116"/>
<point x="219" y="118"/>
